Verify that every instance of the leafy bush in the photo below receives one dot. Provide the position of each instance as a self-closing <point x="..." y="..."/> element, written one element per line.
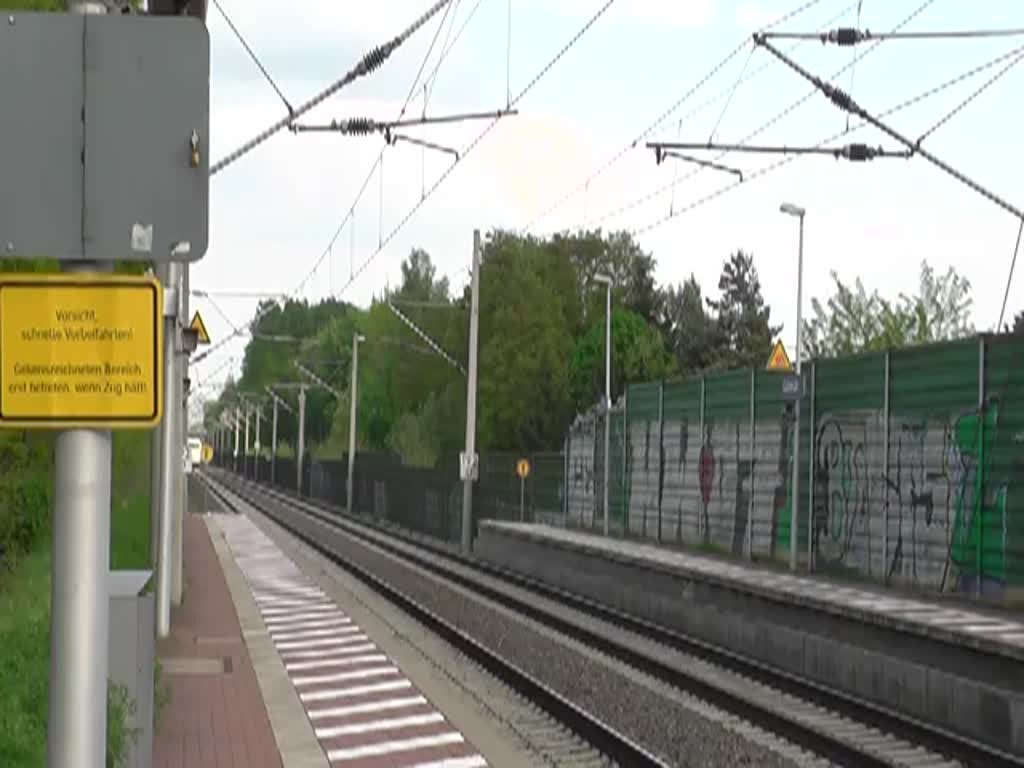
<point x="120" y="738"/>
<point x="25" y="494"/>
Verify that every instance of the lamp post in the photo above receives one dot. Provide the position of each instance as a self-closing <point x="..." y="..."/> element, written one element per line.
<point x="793" y="210"/>
<point x="606" y="280"/>
<point x="353" y="397"/>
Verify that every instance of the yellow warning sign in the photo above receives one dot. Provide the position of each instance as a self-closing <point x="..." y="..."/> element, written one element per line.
<point x="80" y="351"/>
<point x="199" y="327"/>
<point x="779" y="360"/>
<point x="207" y="453"/>
<point x="523" y="469"/>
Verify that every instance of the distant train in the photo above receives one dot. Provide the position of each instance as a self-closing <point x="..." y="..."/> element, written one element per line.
<point x="195" y="450"/>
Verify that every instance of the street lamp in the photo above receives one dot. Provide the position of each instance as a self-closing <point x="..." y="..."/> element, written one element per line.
<point x="607" y="281"/>
<point x="795" y="210"/>
<point x="353" y="396"/>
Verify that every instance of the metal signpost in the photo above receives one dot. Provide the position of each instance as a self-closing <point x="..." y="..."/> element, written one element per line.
<point x="278" y="402"/>
<point x="468" y="460"/>
<point x="300" y="450"/>
<point x="105" y="124"/>
<point x="256" y="445"/>
<point x="523" y="470"/>
<point x="607" y="281"/>
<point x="353" y="411"/>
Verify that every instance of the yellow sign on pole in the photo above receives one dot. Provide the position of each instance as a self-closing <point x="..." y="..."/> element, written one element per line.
<point x="80" y="351"/>
<point x="779" y="361"/>
<point x="199" y="327"/>
<point x="207" y="453"/>
<point x="523" y="469"/>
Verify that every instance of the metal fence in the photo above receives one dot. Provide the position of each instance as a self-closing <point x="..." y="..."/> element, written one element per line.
<point x="427" y="501"/>
<point x="909" y="462"/>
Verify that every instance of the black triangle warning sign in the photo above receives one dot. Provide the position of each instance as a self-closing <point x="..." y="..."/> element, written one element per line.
<point x="199" y="327"/>
<point x="779" y="360"/>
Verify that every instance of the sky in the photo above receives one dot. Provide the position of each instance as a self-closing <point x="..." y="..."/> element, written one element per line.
<point x="629" y="79"/>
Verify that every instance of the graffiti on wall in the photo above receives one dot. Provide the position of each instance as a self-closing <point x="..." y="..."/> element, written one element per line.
<point x="917" y="521"/>
<point x="920" y="522"/>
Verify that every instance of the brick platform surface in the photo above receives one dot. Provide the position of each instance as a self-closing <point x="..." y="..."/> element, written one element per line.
<point x="216" y="717"/>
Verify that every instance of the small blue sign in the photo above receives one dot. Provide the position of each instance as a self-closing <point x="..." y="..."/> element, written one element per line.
<point x="792" y="388"/>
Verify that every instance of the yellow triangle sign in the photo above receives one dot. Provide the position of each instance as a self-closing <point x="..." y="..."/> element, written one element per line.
<point x="779" y="361"/>
<point x="199" y="327"/>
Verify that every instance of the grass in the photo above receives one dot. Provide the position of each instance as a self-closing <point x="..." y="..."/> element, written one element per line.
<point x="25" y="617"/>
<point x="25" y="660"/>
<point x="129" y="533"/>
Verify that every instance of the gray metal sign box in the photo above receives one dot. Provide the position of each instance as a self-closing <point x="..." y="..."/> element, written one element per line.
<point x="97" y="119"/>
<point x="794" y="387"/>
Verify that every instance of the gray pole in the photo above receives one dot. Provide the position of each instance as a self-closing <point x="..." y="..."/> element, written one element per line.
<point x="273" y="447"/>
<point x="474" y="322"/>
<point x="607" y="402"/>
<point x="245" y="450"/>
<point x="79" y="596"/>
<point x="302" y="438"/>
<point x="155" y="460"/>
<point x="169" y="454"/>
<point x="353" y="407"/>
<point x="177" y="459"/>
<point x="257" y="446"/>
<point x="182" y="508"/>
<point x="795" y="504"/>
<point x="238" y="428"/>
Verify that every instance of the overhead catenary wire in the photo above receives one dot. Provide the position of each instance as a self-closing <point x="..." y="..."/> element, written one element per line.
<point x="846" y="36"/>
<point x="786" y="160"/>
<point x="661" y="153"/>
<point x="785" y="112"/>
<point x="423" y="64"/>
<point x="446" y="49"/>
<point x="666" y="115"/>
<point x="370" y="62"/>
<point x="856" y="152"/>
<point x="223" y="364"/>
<point x="202" y="294"/>
<point x="1015" y="57"/>
<point x="732" y="93"/>
<point x="364" y="126"/>
<point x="253" y="56"/>
<point x="426" y="304"/>
<point x="853" y="63"/>
<point x="845" y="102"/>
<point x="349" y="217"/>
<point x="483" y="134"/>
<point x="219" y="311"/>
<point x="426" y="338"/>
<point x="445" y="175"/>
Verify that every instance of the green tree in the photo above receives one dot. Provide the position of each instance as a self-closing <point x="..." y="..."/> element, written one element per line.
<point x="420" y="281"/>
<point x="638" y="354"/>
<point x="853" y="320"/>
<point x="1018" y="323"/>
<point x="742" y="329"/>
<point x="688" y="328"/>
<point x="617" y="255"/>
<point x="529" y="312"/>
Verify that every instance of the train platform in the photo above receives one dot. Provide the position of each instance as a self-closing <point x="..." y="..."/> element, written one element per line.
<point x="954" y="666"/>
<point x="215" y="716"/>
<point x="265" y="669"/>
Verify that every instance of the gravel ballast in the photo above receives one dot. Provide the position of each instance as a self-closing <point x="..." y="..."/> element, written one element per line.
<point x="677" y="728"/>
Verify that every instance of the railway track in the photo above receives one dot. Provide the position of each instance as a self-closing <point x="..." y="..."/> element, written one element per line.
<point x="840" y="728"/>
<point x="563" y="731"/>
